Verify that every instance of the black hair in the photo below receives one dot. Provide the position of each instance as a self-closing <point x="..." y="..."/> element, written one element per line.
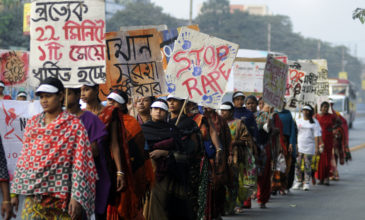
<point x="75" y="90"/>
<point x="252" y="97"/>
<point x="233" y="98"/>
<point x="125" y="97"/>
<point x="325" y="103"/>
<point x="230" y="104"/>
<point x="153" y="99"/>
<point x="311" y="113"/>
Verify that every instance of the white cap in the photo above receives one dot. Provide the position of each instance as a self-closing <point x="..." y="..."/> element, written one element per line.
<point x="306" y="108"/>
<point x="225" y="107"/>
<point x="238" y="94"/>
<point x="47" y="88"/>
<point x="116" y="97"/>
<point x="22" y="93"/>
<point x="331" y="101"/>
<point x="159" y="104"/>
<point x="171" y="96"/>
<point x="2" y="84"/>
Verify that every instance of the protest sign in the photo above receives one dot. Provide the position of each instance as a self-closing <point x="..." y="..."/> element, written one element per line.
<point x="248" y="74"/>
<point x="14" y="67"/>
<point x="168" y="38"/>
<point x="322" y="89"/>
<point x="13" y="118"/>
<point x="302" y="86"/>
<point x="68" y="41"/>
<point x="134" y="63"/>
<point x="199" y="67"/>
<point x="275" y="76"/>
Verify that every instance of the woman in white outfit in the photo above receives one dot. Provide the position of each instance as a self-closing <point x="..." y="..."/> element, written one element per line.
<point x="309" y="133"/>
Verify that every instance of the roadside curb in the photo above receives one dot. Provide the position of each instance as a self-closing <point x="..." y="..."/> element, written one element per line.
<point x="357" y="147"/>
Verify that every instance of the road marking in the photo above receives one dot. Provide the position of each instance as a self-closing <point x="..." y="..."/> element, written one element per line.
<point x="357" y="147"/>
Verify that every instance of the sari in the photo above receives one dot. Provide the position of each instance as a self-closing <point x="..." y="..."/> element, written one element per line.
<point x="55" y="164"/>
<point x="243" y="166"/>
<point x="222" y="176"/>
<point x="137" y="168"/>
<point x="327" y="123"/>
<point x="268" y="147"/>
<point x="206" y="169"/>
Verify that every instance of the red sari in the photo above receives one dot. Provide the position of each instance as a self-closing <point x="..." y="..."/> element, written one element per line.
<point x="127" y="204"/>
<point x="327" y="122"/>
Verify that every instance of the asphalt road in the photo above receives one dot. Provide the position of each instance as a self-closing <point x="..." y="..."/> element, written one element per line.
<point x="343" y="199"/>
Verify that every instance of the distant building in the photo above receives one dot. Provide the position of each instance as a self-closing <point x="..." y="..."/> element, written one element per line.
<point x="251" y="9"/>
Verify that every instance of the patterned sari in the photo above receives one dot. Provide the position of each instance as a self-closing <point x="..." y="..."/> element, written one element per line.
<point x="243" y="167"/>
<point x="56" y="164"/>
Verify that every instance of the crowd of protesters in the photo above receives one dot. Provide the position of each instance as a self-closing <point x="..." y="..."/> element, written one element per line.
<point x="167" y="158"/>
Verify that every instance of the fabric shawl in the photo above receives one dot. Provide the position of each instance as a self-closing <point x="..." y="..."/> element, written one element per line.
<point x="56" y="160"/>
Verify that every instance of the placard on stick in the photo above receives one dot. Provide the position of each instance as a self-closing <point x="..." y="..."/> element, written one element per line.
<point x="275" y="77"/>
<point x="199" y="67"/>
<point x="68" y="41"/>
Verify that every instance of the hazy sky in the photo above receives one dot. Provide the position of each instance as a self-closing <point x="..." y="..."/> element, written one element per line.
<point x="328" y="20"/>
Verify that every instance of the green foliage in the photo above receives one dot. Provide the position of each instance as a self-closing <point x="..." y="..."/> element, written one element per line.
<point x="136" y="14"/>
<point x="11" y="27"/>
<point x="359" y="13"/>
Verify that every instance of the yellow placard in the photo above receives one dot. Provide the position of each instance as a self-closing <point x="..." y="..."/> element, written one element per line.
<point x="26" y="19"/>
<point x="342" y="75"/>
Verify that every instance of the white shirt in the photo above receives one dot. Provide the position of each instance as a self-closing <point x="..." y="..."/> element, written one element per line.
<point x="306" y="134"/>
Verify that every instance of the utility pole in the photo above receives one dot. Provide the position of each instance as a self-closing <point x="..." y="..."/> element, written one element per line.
<point x="191" y="13"/>
<point x="343" y="59"/>
<point x="269" y="37"/>
<point x="319" y="49"/>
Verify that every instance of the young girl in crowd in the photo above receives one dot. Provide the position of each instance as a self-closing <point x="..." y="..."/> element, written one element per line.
<point x="309" y="133"/>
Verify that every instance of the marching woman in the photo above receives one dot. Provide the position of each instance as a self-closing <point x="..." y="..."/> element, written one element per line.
<point x="56" y="170"/>
<point x="243" y="162"/>
<point x="210" y="141"/>
<point x="97" y="133"/>
<point x="187" y="156"/>
<point x="222" y="177"/>
<point x="129" y="205"/>
<point x="327" y="122"/>
<point x="309" y="133"/>
<point x="162" y="140"/>
<point x="268" y="149"/>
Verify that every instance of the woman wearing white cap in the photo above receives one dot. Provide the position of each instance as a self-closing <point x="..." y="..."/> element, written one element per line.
<point x="187" y="155"/>
<point x="136" y="163"/>
<point x="56" y="170"/>
<point x="309" y="132"/>
<point x="243" y="168"/>
<point x="161" y="138"/>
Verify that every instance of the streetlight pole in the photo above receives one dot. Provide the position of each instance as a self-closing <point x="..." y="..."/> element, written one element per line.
<point x="191" y="13"/>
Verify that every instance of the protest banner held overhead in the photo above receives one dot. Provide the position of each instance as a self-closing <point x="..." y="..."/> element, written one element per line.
<point x="275" y="77"/>
<point x="248" y="74"/>
<point x="322" y="89"/>
<point x="13" y="119"/>
<point x="302" y="86"/>
<point x="134" y="63"/>
<point x="168" y="38"/>
<point x="199" y="67"/>
<point x="68" y="41"/>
